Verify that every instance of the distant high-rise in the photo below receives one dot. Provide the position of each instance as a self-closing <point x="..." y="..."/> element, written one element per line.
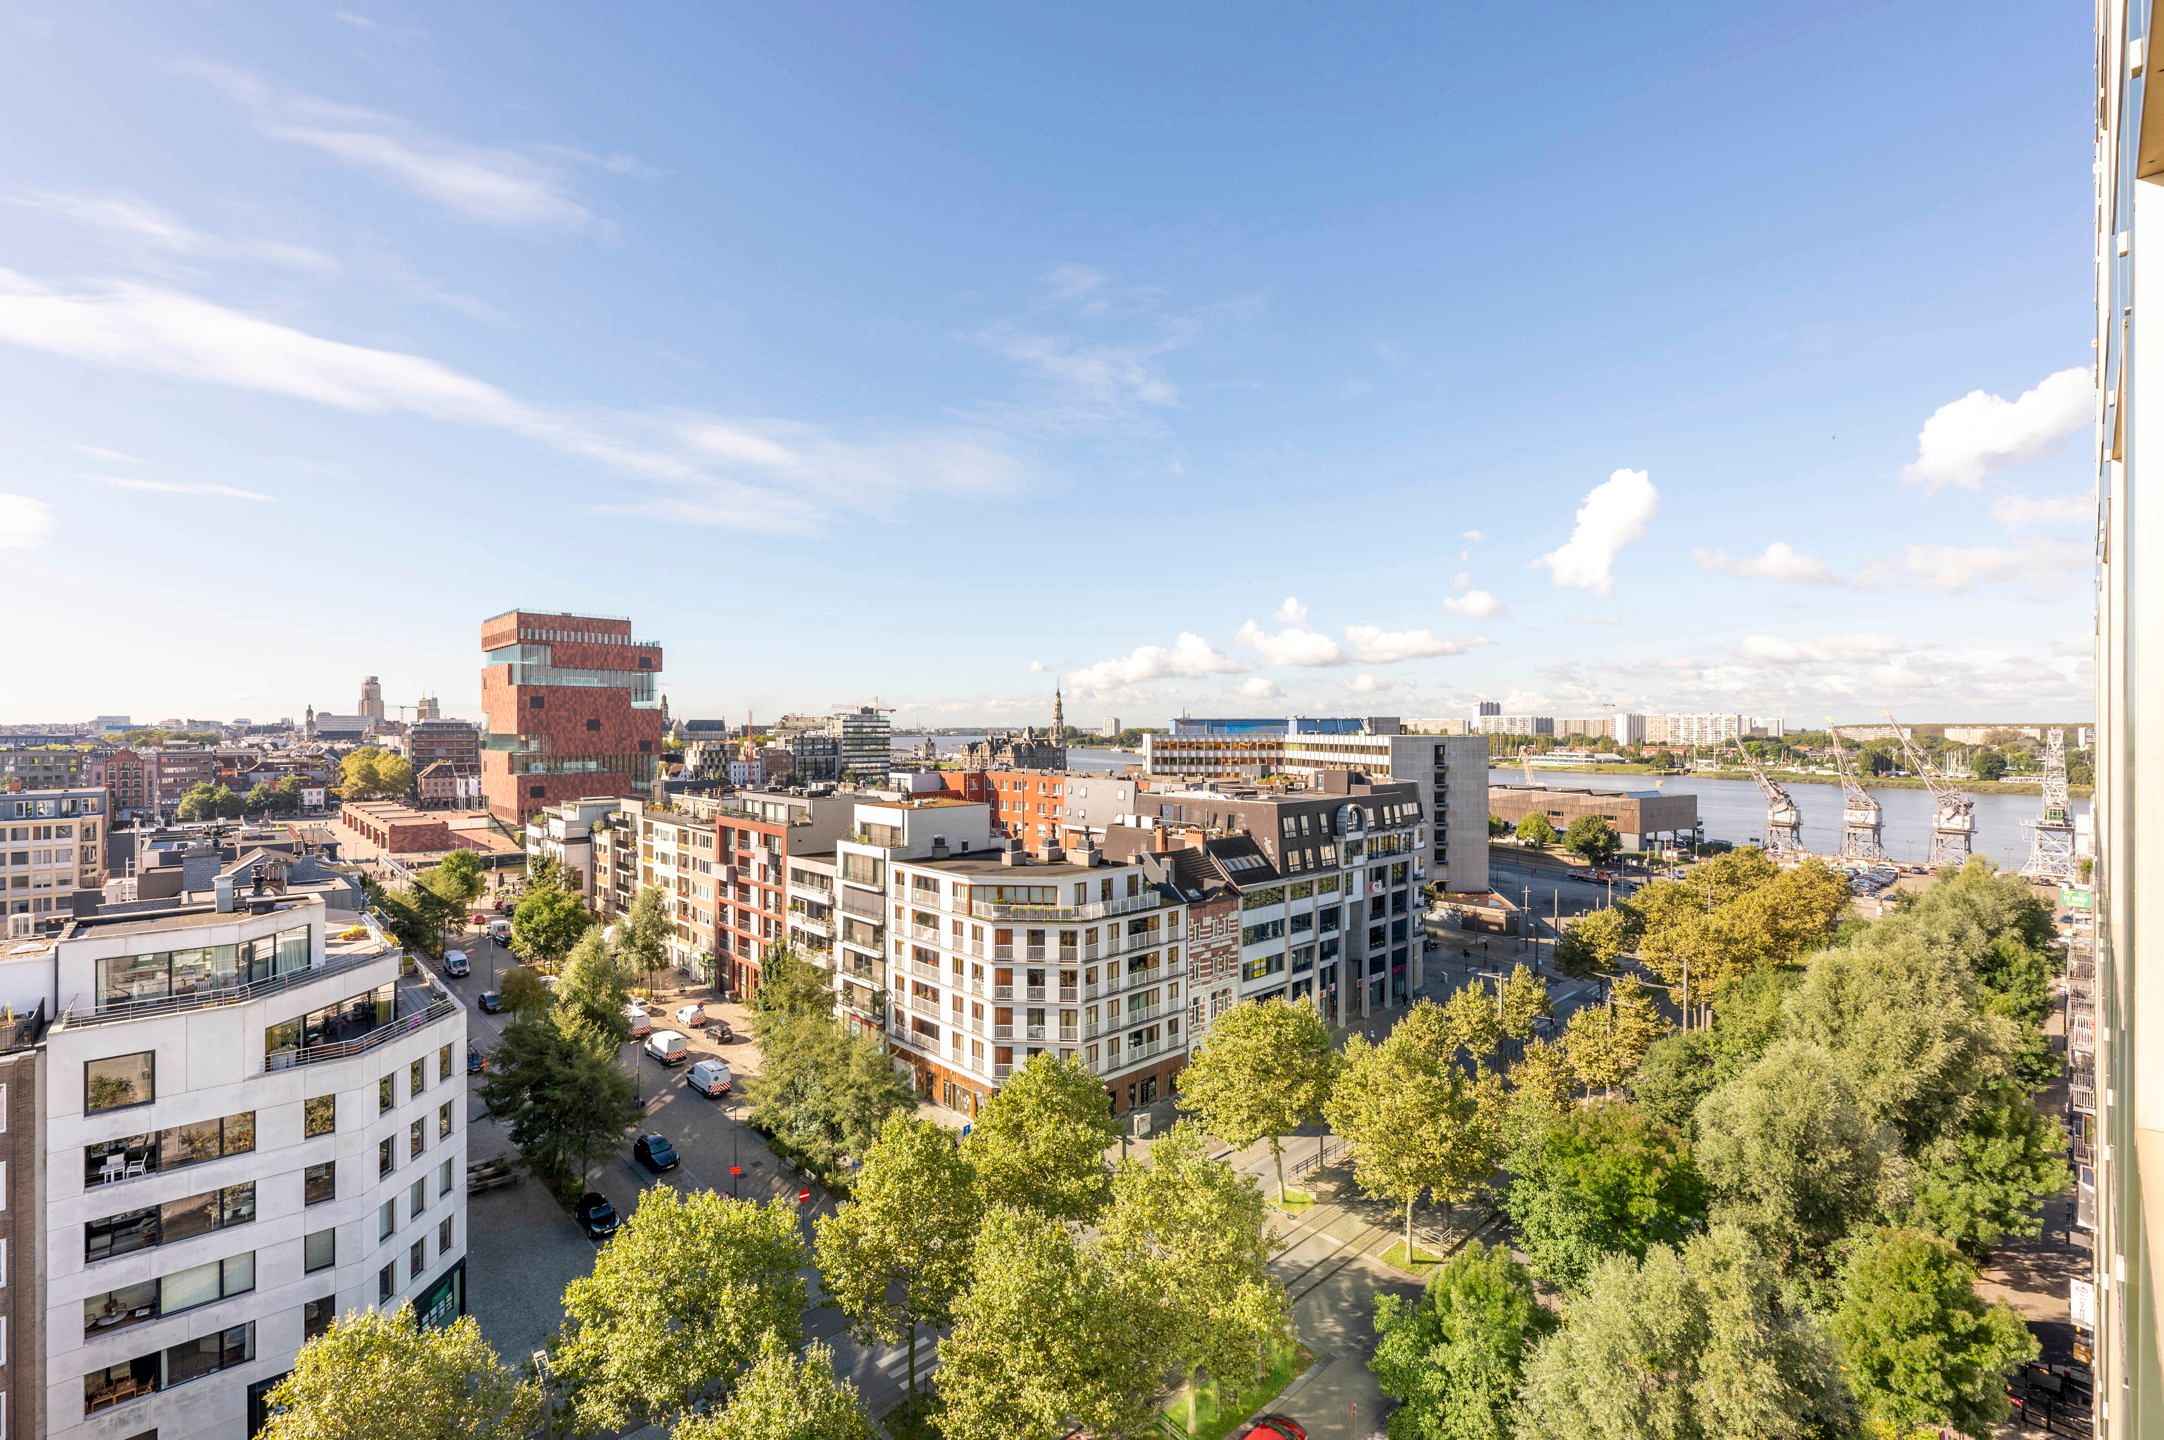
<point x="371" y="707"/>
<point x="572" y="707"/>
<point x="1491" y="707"/>
<point x="428" y="709"/>
<point x="864" y="737"/>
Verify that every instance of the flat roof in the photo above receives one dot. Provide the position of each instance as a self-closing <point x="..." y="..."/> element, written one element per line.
<point x="181" y="918"/>
<point x="989" y="862"/>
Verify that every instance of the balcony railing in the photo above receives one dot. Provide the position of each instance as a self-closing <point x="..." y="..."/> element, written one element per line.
<point x="222" y="995"/>
<point x="1094" y="910"/>
<point x="438" y="1008"/>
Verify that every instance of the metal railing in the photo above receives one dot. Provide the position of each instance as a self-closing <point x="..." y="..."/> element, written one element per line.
<point x="286" y="1059"/>
<point x="223" y="995"/>
<point x="1093" y="910"/>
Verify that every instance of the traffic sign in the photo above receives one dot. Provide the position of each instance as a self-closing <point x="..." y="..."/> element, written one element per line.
<point x="803" y="1197"/>
<point x="736" y="1169"/>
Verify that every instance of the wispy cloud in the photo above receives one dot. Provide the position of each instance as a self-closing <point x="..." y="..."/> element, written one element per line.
<point x="1820" y="650"/>
<point x="1614" y="513"/>
<point x="1778" y="561"/>
<point x="25" y="523"/>
<point x="490" y="184"/>
<point x="1965" y="567"/>
<point x="396" y="34"/>
<point x="1188" y="656"/>
<point x="134" y="221"/>
<point x="1474" y="605"/>
<point x="1966" y="438"/>
<point x="181" y="487"/>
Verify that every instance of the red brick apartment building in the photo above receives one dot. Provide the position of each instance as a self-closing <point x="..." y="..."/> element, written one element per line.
<point x="573" y="709"/>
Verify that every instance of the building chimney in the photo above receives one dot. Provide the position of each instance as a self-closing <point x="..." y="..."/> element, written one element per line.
<point x="221" y="889"/>
<point x="1011" y="853"/>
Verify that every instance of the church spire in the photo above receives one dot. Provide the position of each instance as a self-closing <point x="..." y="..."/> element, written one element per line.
<point x="1059" y="719"/>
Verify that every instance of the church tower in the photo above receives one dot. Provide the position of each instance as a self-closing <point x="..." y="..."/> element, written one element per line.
<point x="1059" y="719"/>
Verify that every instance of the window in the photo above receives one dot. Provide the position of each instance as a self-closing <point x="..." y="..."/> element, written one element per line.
<point x="386" y="1283"/>
<point x="443" y="1236"/>
<point x="155" y="1299"/>
<point x="417" y="1257"/>
<point x="416" y="1078"/>
<point x="128" y="1156"/>
<point x="120" y="1081"/>
<point x="319" y="1251"/>
<point x="443" y="1063"/>
<point x="443" y="1178"/>
<point x="385" y="1162"/>
<point x="416" y="1139"/>
<point x="319" y="1183"/>
<point x="212" y="1353"/>
<point x="319" y="1116"/>
<point x="384" y="1098"/>
<point x="536" y="702"/>
<point x="316" y="1317"/>
<point x="443" y="1120"/>
<point x="417" y="1196"/>
<point x="153" y="1225"/>
<point x="386" y="1219"/>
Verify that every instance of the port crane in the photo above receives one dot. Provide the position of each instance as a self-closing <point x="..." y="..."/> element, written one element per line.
<point x="1784" y="822"/>
<point x="1953" y="814"/>
<point x="2051" y="833"/>
<point x="1863" y="822"/>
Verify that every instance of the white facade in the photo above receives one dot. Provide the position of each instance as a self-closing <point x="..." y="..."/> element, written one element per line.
<point x="52" y="843"/>
<point x="565" y="834"/>
<point x="231" y="1166"/>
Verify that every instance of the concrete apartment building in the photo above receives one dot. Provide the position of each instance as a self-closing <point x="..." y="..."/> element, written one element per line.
<point x="761" y="834"/>
<point x="565" y="834"/>
<point x="573" y="709"/>
<point x="52" y="846"/>
<point x="241" y="1126"/>
<point x="458" y="741"/>
<point x="864" y="742"/>
<point x="371" y="700"/>
<point x="2128" y="808"/>
<point x="46" y="767"/>
<point x="672" y="848"/>
<point x="180" y="770"/>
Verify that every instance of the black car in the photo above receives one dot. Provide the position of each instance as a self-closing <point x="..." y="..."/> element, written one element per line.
<point x="476" y="1062"/>
<point x="491" y="1003"/>
<point x="596" y="1216"/>
<point x="654" y="1152"/>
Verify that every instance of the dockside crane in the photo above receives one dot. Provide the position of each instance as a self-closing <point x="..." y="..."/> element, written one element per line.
<point x="2051" y="833"/>
<point x="1863" y="822"/>
<point x="1784" y="821"/>
<point x="1953" y="814"/>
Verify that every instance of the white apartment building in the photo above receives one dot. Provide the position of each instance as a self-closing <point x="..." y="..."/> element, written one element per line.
<point x="250" y="1125"/>
<point x="52" y="844"/>
<point x="565" y="834"/>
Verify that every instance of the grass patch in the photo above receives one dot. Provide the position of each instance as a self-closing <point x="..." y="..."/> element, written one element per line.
<point x="1294" y="1203"/>
<point x="1424" y="1259"/>
<point x="912" y="1419"/>
<point x="1217" y="1414"/>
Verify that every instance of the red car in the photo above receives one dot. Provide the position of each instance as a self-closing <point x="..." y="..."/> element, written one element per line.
<point x="1272" y="1427"/>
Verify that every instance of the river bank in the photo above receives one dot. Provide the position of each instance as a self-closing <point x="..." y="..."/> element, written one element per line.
<point x="1800" y="777"/>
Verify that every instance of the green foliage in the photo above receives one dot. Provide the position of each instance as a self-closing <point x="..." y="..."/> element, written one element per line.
<point x="1040" y="1143"/>
<point x="1525" y="1000"/>
<point x="1535" y="829"/>
<point x="1733" y="916"/>
<point x="790" y="988"/>
<point x="592" y="992"/>
<point x="1052" y="1334"/>
<point x="1452" y="1358"/>
<point x="1593" y="838"/>
<point x="565" y="1104"/>
<point x="260" y="798"/>
<point x="783" y="1398"/>
<point x="204" y="801"/>
<point x="1693" y="1344"/>
<point x="524" y="991"/>
<point x="1600" y="1181"/>
<point x="378" y="1376"/>
<point x="642" y="933"/>
<point x="1680" y="1070"/>
<point x="1606" y="1043"/>
<point x="1918" y="1346"/>
<point x="547" y="923"/>
<point x="1591" y="944"/>
<point x="1473" y="1022"/>
<point x="1986" y="1179"/>
<point x="824" y="1091"/>
<point x="1409" y="1116"/>
<point x="1988" y="765"/>
<point x="1498" y="827"/>
<point x="1262" y="1072"/>
<point x="894" y="1258"/>
<point x="678" y="1307"/>
<point x="373" y="773"/>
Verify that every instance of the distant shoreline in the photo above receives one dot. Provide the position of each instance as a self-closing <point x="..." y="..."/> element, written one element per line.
<point x="1887" y="782"/>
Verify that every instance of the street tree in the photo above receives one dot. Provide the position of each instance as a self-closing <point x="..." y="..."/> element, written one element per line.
<point x="1535" y="829"/>
<point x="1262" y="1072"/>
<point x="593" y="991"/>
<point x="1452" y="1357"/>
<point x="1605" y="1043"/>
<point x="260" y="799"/>
<point x="1688" y="1344"/>
<point x="790" y="988"/>
<point x="524" y="991"/>
<point x="1603" y="1180"/>
<point x="782" y="1397"/>
<point x="205" y="801"/>
<point x="565" y="1103"/>
<point x="1590" y="945"/>
<point x="642" y="934"/>
<point x="1986" y="1178"/>
<point x="824" y="1091"/>
<point x="1409" y="1116"/>
<point x="1194" y="1228"/>
<point x="373" y="773"/>
<point x="1053" y="1334"/>
<point x="1474" y="1022"/>
<point x="1919" y="1346"/>
<point x="1039" y="1143"/>
<point x="1525" y="1001"/>
<point x="286" y="794"/>
<point x="547" y="923"/>
<point x="677" y="1306"/>
<point x="377" y="1375"/>
<point x="895" y="1256"/>
<point x="1592" y="838"/>
<point x="1498" y="827"/>
<point x="1541" y="1081"/>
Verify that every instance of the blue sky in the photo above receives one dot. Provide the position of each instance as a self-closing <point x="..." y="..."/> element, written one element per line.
<point x="1235" y="358"/>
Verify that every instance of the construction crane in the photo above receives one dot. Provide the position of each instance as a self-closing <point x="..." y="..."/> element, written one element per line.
<point x="1953" y="814"/>
<point x="1784" y="822"/>
<point x="2051" y="833"/>
<point x="1863" y="823"/>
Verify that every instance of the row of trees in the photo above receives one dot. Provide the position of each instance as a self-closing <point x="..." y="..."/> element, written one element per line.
<point x="1589" y="836"/>
<point x="1778" y="1229"/>
<point x="205" y="801"/>
<point x="1073" y="1293"/>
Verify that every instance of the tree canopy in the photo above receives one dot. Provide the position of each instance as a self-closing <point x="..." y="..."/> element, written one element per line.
<point x="376" y="1375"/>
<point x="1604" y="1180"/>
<point x="547" y="923"/>
<point x="373" y="773"/>
<point x="823" y="1091"/>
<point x="1593" y="838"/>
<point x="1262" y="1072"/>
<point x="1536" y="829"/>
<point x="564" y="1101"/>
<point x="1039" y="1144"/>
<point x="1453" y="1357"/>
<point x="782" y="1397"/>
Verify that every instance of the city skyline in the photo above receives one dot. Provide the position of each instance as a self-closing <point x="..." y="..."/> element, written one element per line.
<point x="397" y="325"/>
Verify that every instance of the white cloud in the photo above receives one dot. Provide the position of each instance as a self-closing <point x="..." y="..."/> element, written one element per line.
<point x="2018" y="512"/>
<point x="1260" y="687"/>
<point x="1036" y="667"/>
<point x="485" y="183"/>
<point x="1980" y="432"/>
<point x="769" y="475"/>
<point x="25" y="523"/>
<point x="177" y="487"/>
<point x="1292" y="612"/>
<point x="1778" y="561"/>
<point x="134" y="220"/>
<point x="396" y="34"/>
<point x="1373" y="645"/>
<point x="1824" y="650"/>
<point x="1475" y="536"/>
<point x="1190" y="655"/>
<point x="1614" y="513"/>
<point x="1294" y="645"/>
<point x="1474" y="605"/>
<point x="1462" y="580"/>
<point x="1073" y="281"/>
<point x="1963" y="567"/>
<point x="113" y="457"/>
<point x="1363" y="685"/>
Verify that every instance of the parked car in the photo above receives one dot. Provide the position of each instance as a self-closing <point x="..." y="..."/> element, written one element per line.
<point x="710" y="1078"/>
<point x="691" y="1015"/>
<point x="491" y="1003"/>
<point x="719" y="1031"/>
<point x="1272" y="1427"/>
<point x="500" y="931"/>
<point x="454" y="964"/>
<point x="476" y="1062"/>
<point x="654" y="1152"/>
<point x="642" y="1024"/>
<point x="596" y="1216"/>
<point x="668" y="1047"/>
<point x="505" y="907"/>
<point x="477" y="919"/>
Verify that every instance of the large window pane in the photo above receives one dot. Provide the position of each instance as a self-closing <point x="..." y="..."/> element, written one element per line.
<point x="119" y="1081"/>
<point x="197" y="1285"/>
<point x="125" y="978"/>
<point x="319" y="1251"/>
<point x="182" y="1219"/>
<point x="192" y="971"/>
<point x="188" y="1144"/>
<point x="116" y="1309"/>
<point x="292" y="951"/>
<point x="319" y="1183"/>
<point x="120" y="1234"/>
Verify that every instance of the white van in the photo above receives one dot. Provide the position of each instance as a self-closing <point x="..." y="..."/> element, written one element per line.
<point x="668" y="1047"/>
<point x="710" y="1078"/>
<point x="500" y="931"/>
<point x="642" y="1024"/>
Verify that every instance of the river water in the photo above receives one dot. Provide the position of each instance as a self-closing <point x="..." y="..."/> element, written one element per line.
<point x="1734" y="811"/>
<point x="1079" y="757"/>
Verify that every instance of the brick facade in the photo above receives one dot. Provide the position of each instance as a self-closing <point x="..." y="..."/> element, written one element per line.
<point x="549" y="741"/>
